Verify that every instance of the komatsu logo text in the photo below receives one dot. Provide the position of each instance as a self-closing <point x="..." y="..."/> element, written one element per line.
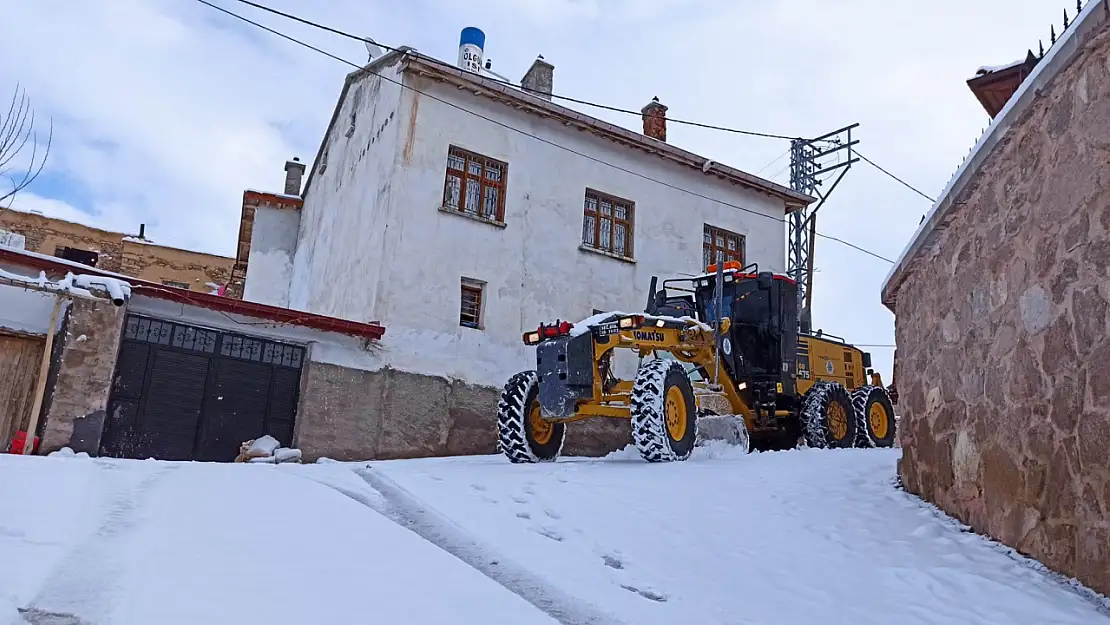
<point x="649" y="335"/>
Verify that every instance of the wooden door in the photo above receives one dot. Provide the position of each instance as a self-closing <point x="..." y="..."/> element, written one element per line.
<point x="20" y="358"/>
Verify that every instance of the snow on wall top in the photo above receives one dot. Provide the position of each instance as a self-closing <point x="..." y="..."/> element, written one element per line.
<point x="1044" y="71"/>
<point x="76" y="285"/>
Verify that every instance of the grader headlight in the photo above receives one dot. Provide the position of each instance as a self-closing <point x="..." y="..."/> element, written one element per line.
<point x="632" y="322"/>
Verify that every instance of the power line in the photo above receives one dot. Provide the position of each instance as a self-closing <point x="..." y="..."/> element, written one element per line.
<point x="907" y="185"/>
<point x="528" y="134"/>
<point x="765" y="167"/>
<point x="606" y="107"/>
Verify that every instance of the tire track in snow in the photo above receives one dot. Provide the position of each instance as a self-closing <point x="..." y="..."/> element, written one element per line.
<point x="80" y="589"/>
<point x="409" y="512"/>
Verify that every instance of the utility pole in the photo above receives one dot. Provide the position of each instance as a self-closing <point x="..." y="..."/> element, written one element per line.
<point x="809" y="160"/>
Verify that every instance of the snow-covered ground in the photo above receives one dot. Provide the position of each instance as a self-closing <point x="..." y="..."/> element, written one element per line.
<point x="156" y="543"/>
<point x="779" y="538"/>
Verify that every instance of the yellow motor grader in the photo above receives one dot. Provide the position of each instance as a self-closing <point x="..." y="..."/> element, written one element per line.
<point x="728" y="337"/>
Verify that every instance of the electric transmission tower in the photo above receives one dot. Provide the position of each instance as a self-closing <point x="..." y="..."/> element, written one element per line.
<point x="809" y="160"/>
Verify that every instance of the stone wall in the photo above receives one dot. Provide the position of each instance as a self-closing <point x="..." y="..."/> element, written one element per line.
<point x="81" y="376"/>
<point x="155" y="263"/>
<point x="1002" y="332"/>
<point x="350" y="414"/>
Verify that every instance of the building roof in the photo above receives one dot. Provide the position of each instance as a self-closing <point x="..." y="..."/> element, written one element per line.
<point x="994" y="86"/>
<point x="130" y="238"/>
<point x="933" y="225"/>
<point x="280" y="316"/>
<point x="528" y="102"/>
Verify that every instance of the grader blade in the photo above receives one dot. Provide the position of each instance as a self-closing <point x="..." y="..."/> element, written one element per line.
<point x="728" y="428"/>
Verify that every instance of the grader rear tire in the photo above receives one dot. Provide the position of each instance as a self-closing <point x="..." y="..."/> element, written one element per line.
<point x="664" y="414"/>
<point x="875" y="412"/>
<point x="521" y="434"/>
<point x="828" y="419"/>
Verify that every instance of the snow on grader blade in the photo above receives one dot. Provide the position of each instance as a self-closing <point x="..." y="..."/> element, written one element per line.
<point x="721" y="358"/>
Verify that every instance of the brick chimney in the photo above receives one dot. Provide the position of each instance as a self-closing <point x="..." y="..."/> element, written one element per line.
<point x="294" y="171"/>
<point x="655" y="120"/>
<point x="540" y="78"/>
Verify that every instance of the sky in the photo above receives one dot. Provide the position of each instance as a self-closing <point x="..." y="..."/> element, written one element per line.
<point x="165" y="110"/>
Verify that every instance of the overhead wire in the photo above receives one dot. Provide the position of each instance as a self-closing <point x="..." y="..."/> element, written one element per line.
<point x="528" y="134"/>
<point x="906" y="184"/>
<point x="777" y="159"/>
<point x="607" y="107"/>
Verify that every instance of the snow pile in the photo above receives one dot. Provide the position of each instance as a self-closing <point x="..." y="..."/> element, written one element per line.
<point x="267" y="449"/>
<point x="9" y="615"/>
<point x="66" y="452"/>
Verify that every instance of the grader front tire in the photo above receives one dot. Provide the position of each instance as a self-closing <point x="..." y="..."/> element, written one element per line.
<point x="522" y="435"/>
<point x="664" y="414"/>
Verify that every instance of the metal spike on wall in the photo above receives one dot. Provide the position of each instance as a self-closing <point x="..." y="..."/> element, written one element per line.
<point x="1040" y="46"/>
<point x="1052" y="36"/>
<point x="1065" y="19"/>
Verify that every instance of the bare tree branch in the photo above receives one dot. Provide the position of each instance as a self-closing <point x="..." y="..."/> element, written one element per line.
<point x="17" y="129"/>
<point x="8" y="117"/>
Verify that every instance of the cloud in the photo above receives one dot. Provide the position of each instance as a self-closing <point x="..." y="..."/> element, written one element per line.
<point x="165" y="110"/>
<point x="113" y="217"/>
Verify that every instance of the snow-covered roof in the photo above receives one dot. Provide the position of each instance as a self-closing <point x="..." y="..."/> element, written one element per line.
<point x="990" y="69"/>
<point x="284" y="196"/>
<point x="89" y="221"/>
<point x="93" y="276"/>
<point x="1058" y="57"/>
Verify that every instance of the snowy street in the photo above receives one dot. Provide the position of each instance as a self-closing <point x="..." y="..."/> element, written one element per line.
<point x="792" y="537"/>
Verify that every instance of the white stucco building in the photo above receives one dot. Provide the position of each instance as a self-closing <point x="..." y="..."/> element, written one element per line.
<point x="460" y="212"/>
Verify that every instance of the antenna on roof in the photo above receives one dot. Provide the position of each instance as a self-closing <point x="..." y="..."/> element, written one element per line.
<point x="372" y="49"/>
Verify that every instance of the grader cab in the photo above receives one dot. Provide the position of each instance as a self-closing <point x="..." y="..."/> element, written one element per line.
<point x="722" y="345"/>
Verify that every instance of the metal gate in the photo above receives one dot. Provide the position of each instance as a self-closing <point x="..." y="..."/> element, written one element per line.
<point x="188" y="393"/>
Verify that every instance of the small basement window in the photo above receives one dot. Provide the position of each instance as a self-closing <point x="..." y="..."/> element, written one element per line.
<point x="175" y="284"/>
<point x="470" y="307"/>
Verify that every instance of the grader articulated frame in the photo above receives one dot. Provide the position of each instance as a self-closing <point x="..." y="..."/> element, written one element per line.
<point x="732" y="329"/>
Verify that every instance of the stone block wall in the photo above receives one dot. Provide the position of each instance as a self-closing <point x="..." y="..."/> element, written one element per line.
<point x="1003" y="333"/>
<point x="350" y="414"/>
<point x="160" y="265"/>
<point x="81" y="376"/>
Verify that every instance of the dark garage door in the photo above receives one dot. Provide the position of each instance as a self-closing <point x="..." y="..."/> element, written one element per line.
<point x="188" y="393"/>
